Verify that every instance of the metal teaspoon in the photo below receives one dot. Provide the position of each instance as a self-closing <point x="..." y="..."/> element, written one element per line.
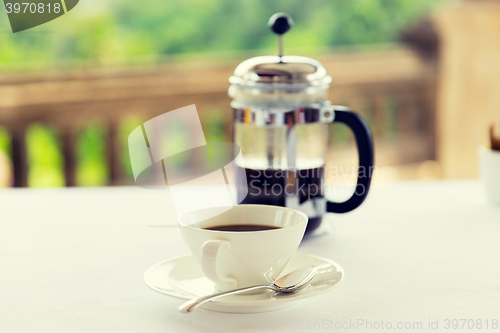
<point x="293" y="281"/>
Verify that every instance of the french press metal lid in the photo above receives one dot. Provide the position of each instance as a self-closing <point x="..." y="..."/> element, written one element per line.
<point x="279" y="81"/>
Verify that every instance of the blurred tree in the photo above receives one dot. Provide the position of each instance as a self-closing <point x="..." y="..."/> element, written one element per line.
<point x="5" y="141"/>
<point x="92" y="169"/>
<point x="111" y="31"/>
<point x="45" y="159"/>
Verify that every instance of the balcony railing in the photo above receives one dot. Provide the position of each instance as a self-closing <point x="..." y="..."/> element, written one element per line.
<point x="393" y="88"/>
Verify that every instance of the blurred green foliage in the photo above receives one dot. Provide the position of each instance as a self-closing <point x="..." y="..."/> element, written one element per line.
<point x="91" y="167"/>
<point x="44" y="157"/>
<point x="5" y="142"/>
<point x="127" y="125"/>
<point x="215" y="125"/>
<point x="115" y="31"/>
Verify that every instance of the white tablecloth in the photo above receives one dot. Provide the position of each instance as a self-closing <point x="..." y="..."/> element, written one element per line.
<point x="72" y="260"/>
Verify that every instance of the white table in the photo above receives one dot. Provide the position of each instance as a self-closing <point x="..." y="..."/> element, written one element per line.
<point x="72" y="260"/>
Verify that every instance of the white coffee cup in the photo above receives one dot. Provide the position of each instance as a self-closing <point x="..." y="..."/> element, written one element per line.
<point x="237" y="259"/>
<point x="489" y="161"/>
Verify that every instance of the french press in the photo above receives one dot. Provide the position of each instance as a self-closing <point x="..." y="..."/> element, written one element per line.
<point x="281" y="123"/>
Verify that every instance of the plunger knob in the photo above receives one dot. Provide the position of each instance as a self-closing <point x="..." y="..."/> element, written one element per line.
<point x="280" y="23"/>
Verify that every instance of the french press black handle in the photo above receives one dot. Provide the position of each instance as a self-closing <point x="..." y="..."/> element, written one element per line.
<point x="364" y="143"/>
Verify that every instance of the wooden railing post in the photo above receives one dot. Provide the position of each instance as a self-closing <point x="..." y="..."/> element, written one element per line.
<point x="113" y="152"/>
<point x="19" y="156"/>
<point x="429" y="121"/>
<point x="69" y="137"/>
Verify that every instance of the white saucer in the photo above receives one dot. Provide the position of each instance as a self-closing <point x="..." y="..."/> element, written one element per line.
<point x="182" y="278"/>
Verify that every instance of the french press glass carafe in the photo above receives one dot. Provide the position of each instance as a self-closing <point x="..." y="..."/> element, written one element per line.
<point x="281" y="123"/>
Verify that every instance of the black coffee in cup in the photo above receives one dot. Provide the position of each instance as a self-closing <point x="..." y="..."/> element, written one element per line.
<point x="242" y="228"/>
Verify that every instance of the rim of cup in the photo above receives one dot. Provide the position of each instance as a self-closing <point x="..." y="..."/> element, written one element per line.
<point x="304" y="219"/>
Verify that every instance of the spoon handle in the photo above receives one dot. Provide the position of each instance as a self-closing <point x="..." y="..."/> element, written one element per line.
<point x="194" y="303"/>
